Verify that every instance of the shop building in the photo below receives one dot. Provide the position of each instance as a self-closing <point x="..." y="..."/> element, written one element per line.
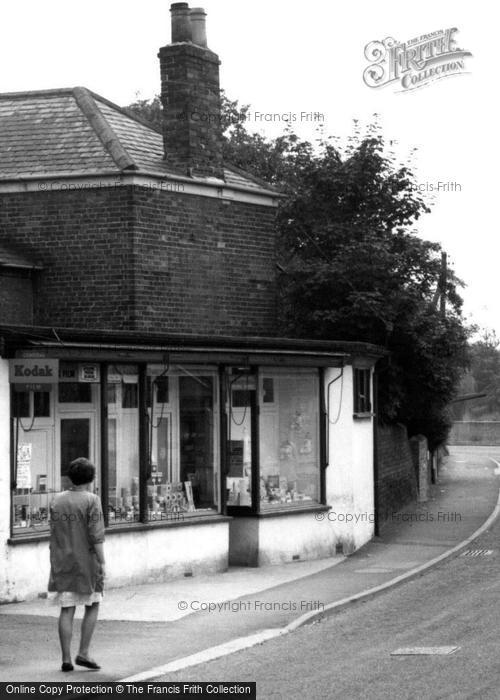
<point x="138" y="322"/>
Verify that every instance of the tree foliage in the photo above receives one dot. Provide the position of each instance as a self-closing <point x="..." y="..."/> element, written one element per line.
<point x="356" y="271"/>
<point x="352" y="269"/>
<point x="149" y="111"/>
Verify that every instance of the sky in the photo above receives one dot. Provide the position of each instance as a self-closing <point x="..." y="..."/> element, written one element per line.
<point x="293" y="58"/>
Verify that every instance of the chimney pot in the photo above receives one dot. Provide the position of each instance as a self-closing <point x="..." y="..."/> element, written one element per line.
<point x="181" y="22"/>
<point x="198" y="26"/>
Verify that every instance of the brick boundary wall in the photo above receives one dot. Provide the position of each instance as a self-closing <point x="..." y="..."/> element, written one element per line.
<point x="397" y="482"/>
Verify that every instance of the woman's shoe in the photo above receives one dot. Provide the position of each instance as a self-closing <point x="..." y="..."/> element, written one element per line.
<point x="87" y="663"/>
<point x="66" y="666"/>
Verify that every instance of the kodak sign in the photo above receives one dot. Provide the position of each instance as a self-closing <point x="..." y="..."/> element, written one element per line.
<point x="34" y="371"/>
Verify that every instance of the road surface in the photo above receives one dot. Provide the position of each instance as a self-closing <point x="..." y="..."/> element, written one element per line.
<point x="348" y="655"/>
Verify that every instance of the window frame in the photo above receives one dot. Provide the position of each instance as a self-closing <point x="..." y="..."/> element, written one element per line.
<point x="148" y="371"/>
<point x="261" y="372"/>
<point x="236" y="510"/>
<point x="362" y="392"/>
<point x="297" y="370"/>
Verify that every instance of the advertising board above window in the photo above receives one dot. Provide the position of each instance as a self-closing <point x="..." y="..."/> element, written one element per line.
<point x="39" y="371"/>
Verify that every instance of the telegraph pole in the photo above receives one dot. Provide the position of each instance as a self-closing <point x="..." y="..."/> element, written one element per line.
<point x="442" y="284"/>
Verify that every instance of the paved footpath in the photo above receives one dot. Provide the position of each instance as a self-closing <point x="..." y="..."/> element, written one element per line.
<point x="148" y="631"/>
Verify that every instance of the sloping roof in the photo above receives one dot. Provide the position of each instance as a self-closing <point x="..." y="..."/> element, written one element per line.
<point x="73" y="131"/>
<point x="47" y="133"/>
<point x="11" y="258"/>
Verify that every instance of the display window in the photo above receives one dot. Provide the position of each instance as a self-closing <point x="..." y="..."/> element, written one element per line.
<point x="123" y="466"/>
<point x="273" y="456"/>
<point x="240" y="411"/>
<point x="52" y="424"/>
<point x="183" y="426"/>
<point x="155" y="437"/>
<point x="182" y="443"/>
<point x="289" y="438"/>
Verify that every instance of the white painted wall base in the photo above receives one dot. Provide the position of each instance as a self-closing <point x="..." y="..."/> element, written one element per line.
<point x="280" y="539"/>
<point x="131" y="558"/>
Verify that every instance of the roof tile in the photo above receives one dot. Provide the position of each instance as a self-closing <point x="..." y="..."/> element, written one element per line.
<point x="75" y="131"/>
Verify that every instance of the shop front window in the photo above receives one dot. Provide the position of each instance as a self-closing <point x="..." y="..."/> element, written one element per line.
<point x="183" y="442"/>
<point x="241" y="397"/>
<point x="41" y="404"/>
<point x="52" y="424"/>
<point x="289" y="438"/>
<point x="162" y="439"/>
<point x="35" y="478"/>
<point x="21" y="404"/>
<point x="180" y="452"/>
<point x="123" y="443"/>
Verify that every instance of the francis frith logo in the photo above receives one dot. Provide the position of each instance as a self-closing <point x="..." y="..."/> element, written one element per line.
<point x="416" y="62"/>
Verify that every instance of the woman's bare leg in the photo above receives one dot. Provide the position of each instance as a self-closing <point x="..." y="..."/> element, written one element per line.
<point x="66" y="632"/>
<point x="88" y="627"/>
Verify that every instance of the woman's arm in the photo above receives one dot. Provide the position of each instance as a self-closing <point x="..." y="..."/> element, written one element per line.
<point x="95" y="523"/>
<point x="99" y="550"/>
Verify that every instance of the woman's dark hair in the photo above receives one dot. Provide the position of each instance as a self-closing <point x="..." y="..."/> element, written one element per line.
<point x="81" y="471"/>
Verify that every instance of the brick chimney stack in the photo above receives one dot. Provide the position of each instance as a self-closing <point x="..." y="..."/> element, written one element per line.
<point x="190" y="94"/>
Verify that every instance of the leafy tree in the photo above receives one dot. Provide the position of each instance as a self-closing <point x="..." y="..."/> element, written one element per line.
<point x="352" y="268"/>
<point x="356" y="271"/>
<point x="149" y="111"/>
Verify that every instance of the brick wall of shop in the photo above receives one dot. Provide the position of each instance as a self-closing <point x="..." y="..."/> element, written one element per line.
<point x="16" y="296"/>
<point x="397" y="484"/>
<point x="205" y="266"/>
<point x="83" y="242"/>
<point x="134" y="259"/>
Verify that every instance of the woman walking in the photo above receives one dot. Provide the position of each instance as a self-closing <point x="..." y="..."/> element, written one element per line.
<point x="77" y="560"/>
